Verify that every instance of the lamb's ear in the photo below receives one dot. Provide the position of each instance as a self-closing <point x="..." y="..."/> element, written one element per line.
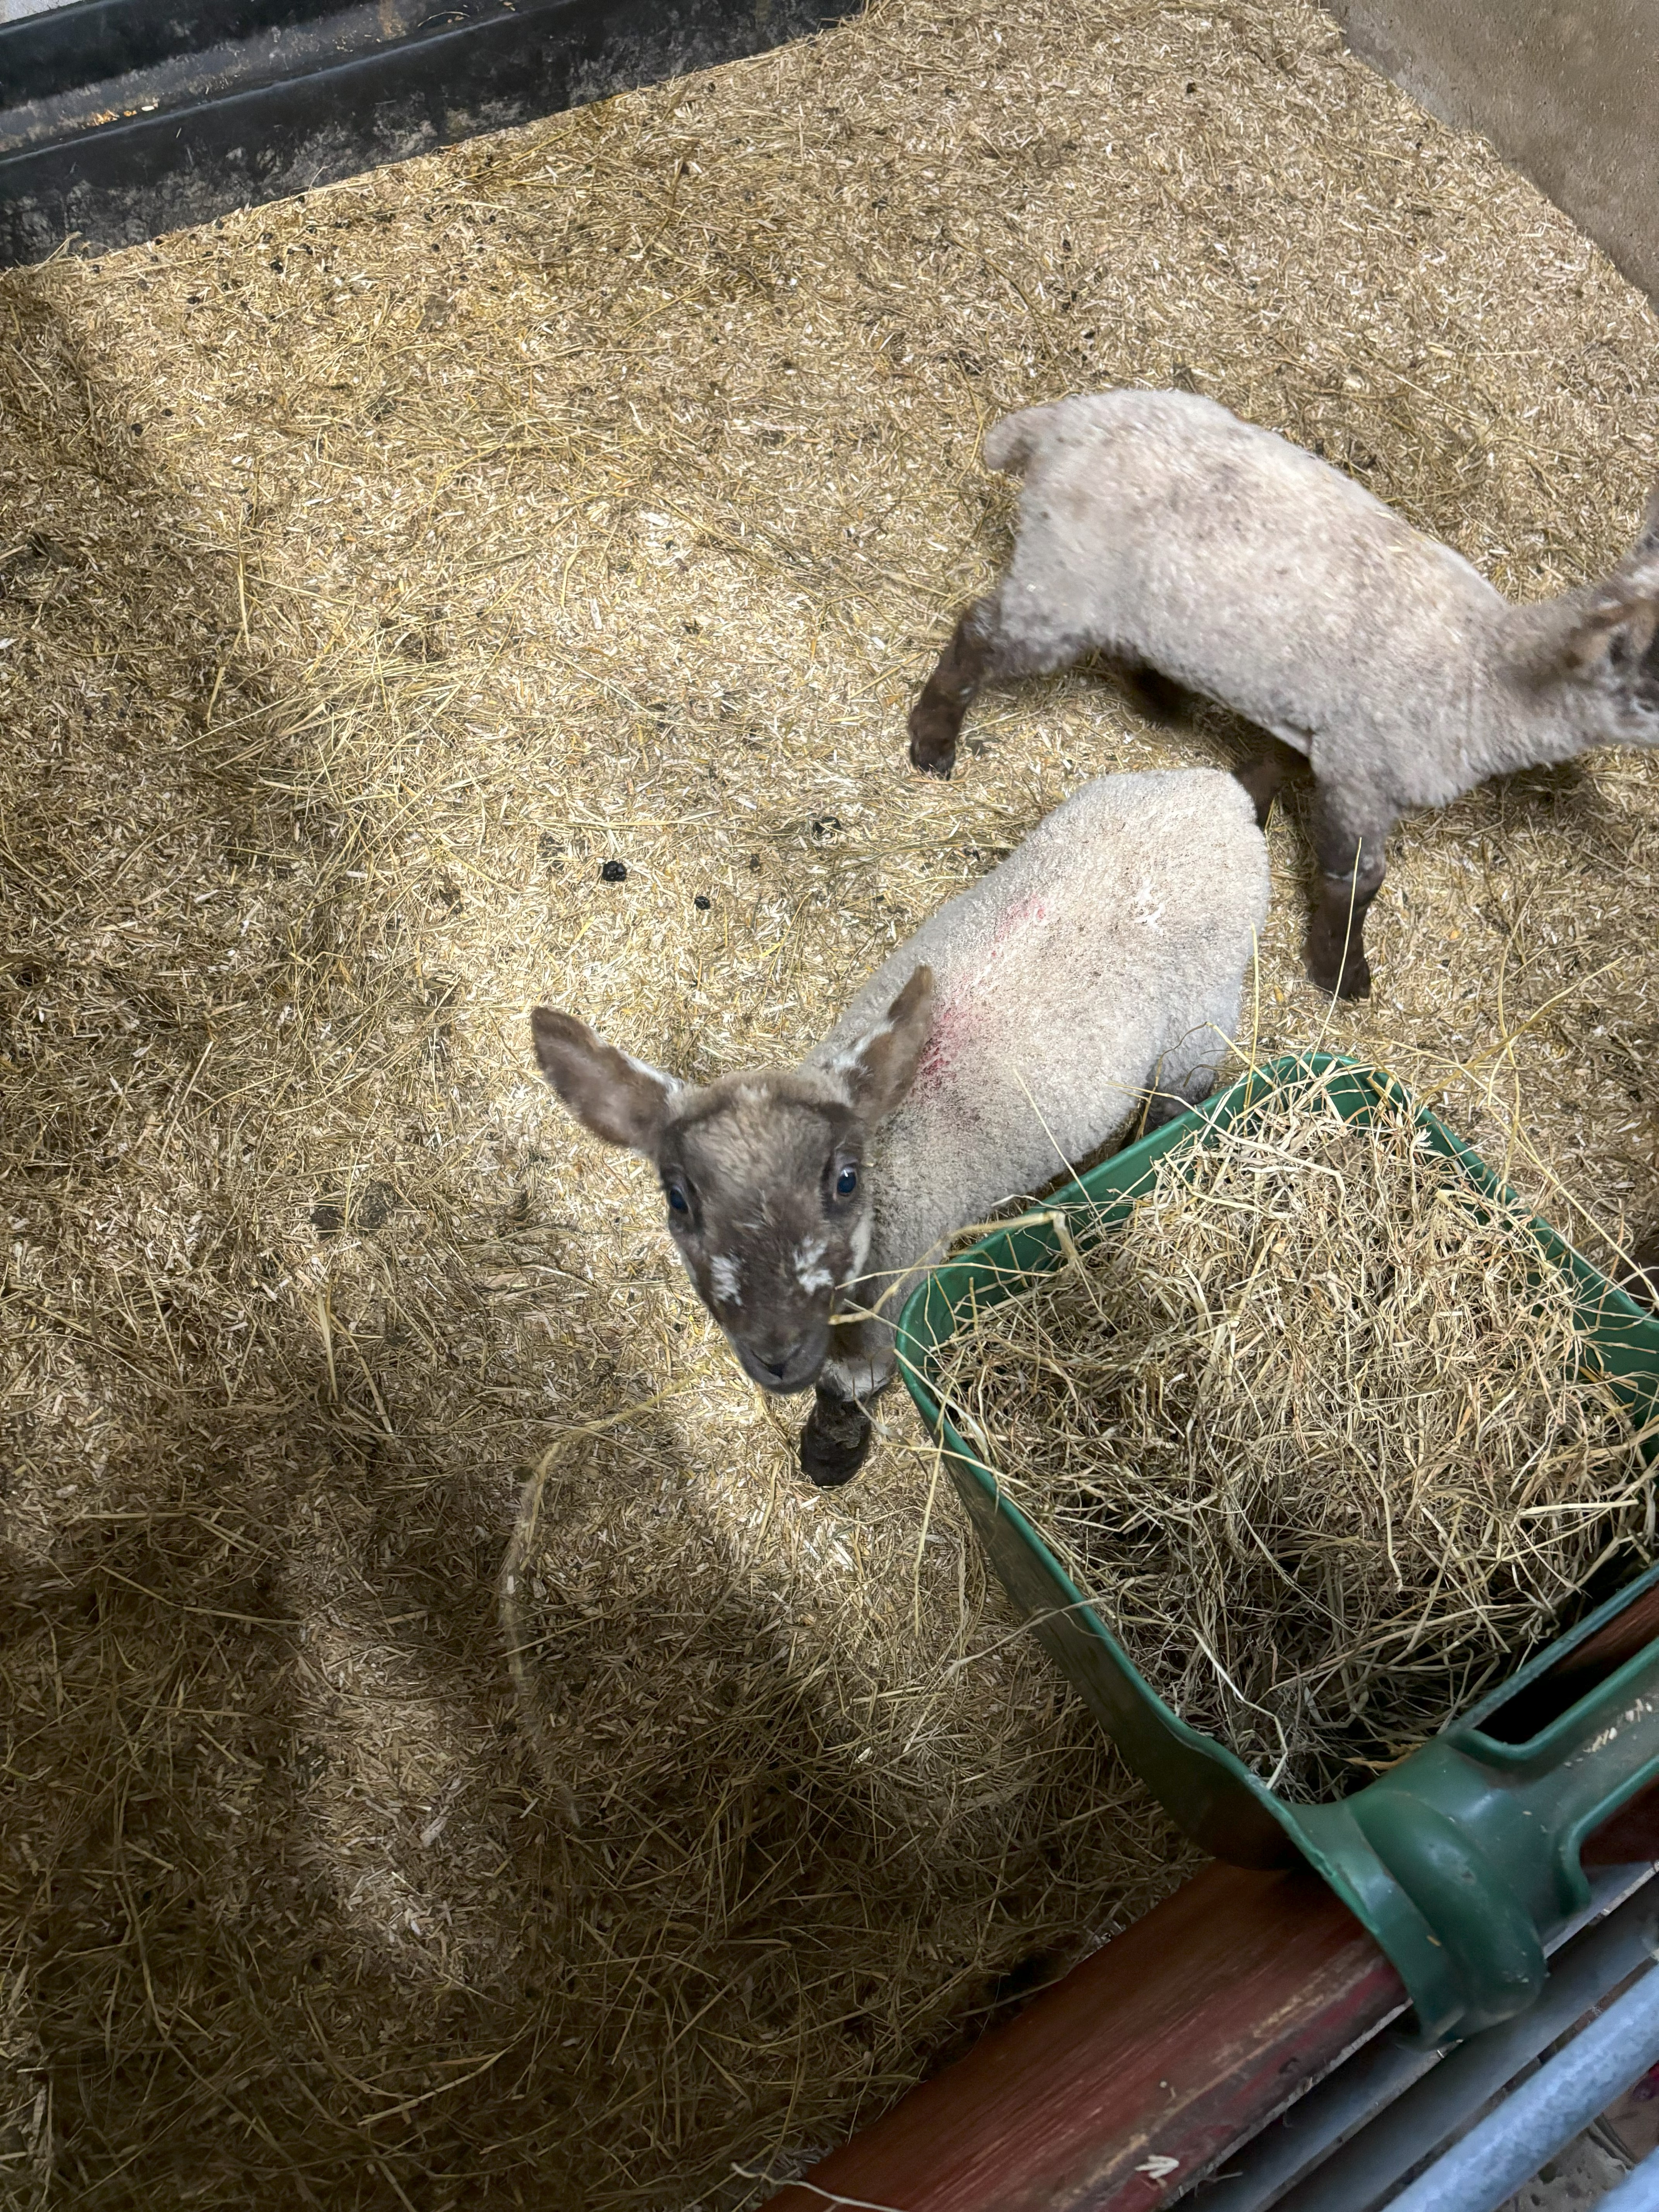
<point x="617" y="1097"/>
<point x="882" y="1065"/>
<point x="1647" y="540"/>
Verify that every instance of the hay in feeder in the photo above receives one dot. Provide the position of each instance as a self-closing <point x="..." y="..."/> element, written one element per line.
<point x="1317" y="1431"/>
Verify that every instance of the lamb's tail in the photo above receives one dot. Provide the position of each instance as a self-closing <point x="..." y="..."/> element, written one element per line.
<point x="1010" y="444"/>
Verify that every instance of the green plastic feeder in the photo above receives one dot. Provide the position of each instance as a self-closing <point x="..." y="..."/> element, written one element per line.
<point x="1463" y="1858"/>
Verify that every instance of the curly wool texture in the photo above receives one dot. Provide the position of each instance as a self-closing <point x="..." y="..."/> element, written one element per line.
<point x="1317" y="1433"/>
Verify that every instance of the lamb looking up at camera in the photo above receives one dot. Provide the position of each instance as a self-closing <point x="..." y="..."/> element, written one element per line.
<point x="1092" y="977"/>
<point x="1206" y="554"/>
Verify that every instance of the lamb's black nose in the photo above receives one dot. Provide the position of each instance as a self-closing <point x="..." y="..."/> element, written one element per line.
<point x="775" y="1368"/>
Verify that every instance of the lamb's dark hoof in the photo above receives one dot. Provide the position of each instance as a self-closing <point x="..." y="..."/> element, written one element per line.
<point x="1355" y="982"/>
<point x="1350" y="984"/>
<point x="834" y="1446"/>
<point x="933" y="740"/>
<point x="1349" y="978"/>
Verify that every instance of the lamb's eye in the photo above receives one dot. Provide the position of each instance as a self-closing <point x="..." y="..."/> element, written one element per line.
<point x="677" y="1201"/>
<point x="847" y="1182"/>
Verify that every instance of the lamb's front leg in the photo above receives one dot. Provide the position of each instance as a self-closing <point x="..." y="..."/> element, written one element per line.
<point x="835" y="1441"/>
<point x="1348" y="841"/>
<point x="987" y="646"/>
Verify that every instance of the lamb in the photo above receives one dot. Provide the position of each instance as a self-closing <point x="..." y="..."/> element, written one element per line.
<point x="1091" y="977"/>
<point x="1206" y="554"/>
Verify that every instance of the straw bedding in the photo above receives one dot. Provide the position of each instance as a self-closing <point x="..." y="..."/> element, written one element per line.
<point x="1316" y="1430"/>
<point x="375" y="568"/>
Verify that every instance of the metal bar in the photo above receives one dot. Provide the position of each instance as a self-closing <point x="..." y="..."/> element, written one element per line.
<point x="1351" y="2138"/>
<point x="127" y="179"/>
<point x="1639" y="2190"/>
<point x="72" y="42"/>
<point x="14" y="11"/>
<point x="224" y="67"/>
<point x="1546" y="2111"/>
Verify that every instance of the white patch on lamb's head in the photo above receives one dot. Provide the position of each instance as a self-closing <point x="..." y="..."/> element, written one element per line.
<point x="873" y="1071"/>
<point x="851" y="1057"/>
<point x="671" y="1082"/>
<point x="726" y="1276"/>
<point x="846" y="1070"/>
<point x="864" y="1232"/>
<point x="810" y="1272"/>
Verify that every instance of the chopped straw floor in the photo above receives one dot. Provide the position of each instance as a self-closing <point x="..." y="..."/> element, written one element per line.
<point x="376" y="566"/>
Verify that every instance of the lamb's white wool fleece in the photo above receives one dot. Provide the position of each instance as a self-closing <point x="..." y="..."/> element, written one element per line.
<point x="1159" y="526"/>
<point x="1206" y="554"/>
<point x="1105" y="956"/>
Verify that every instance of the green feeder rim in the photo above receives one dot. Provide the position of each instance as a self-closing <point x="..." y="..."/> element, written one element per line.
<point x="1462" y="1859"/>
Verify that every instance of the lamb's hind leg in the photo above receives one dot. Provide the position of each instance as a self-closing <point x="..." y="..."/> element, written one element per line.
<point x="1264" y="779"/>
<point x="1348" y="841"/>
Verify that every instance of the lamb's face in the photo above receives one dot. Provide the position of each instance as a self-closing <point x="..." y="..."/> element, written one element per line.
<point x="769" y="1207"/>
<point x="763" y="1173"/>
<point x="1612" y="656"/>
<point x="1633" y="689"/>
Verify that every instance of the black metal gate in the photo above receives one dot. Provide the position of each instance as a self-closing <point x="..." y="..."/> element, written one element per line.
<point x="121" y="119"/>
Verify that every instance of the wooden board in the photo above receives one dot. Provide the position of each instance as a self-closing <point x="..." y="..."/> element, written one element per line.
<point x="1140" y="2069"/>
<point x="1133" y="2074"/>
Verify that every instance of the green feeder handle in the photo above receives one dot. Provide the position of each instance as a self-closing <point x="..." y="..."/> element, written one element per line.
<point x="1463" y="1858"/>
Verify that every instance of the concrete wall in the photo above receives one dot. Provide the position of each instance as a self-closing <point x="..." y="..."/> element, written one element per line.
<point x="1569" y="93"/>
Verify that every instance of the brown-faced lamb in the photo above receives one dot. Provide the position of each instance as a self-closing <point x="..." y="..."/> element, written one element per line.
<point x="1207" y="556"/>
<point x="1091" y="978"/>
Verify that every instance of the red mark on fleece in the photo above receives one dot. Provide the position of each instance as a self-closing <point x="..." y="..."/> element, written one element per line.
<point x="954" y="1022"/>
<point x="1031" y="911"/>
